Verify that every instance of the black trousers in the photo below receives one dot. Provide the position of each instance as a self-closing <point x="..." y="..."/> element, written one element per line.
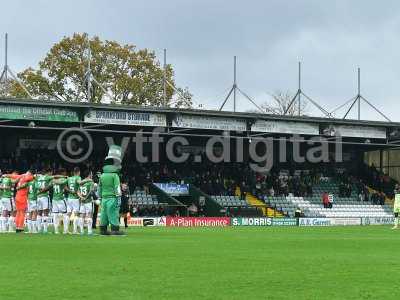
<point x="95" y="212"/>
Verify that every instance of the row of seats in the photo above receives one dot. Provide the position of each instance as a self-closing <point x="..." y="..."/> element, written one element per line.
<point x="230" y="201"/>
<point x="331" y="187"/>
<point x="281" y="203"/>
<point x="359" y="214"/>
<point x="318" y="199"/>
<point x="342" y="206"/>
<point x="342" y="209"/>
<point x="141" y="198"/>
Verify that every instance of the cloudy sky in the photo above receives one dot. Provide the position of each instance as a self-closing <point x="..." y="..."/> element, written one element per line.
<point x="331" y="38"/>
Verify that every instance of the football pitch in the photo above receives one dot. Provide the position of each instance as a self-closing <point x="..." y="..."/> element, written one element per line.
<point x="204" y="263"/>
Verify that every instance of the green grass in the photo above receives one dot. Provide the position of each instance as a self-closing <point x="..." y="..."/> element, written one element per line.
<point x="204" y="263"/>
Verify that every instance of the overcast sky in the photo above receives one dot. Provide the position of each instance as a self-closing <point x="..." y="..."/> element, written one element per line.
<point x="331" y="38"/>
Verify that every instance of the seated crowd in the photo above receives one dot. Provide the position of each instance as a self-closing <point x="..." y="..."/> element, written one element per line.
<point x="224" y="178"/>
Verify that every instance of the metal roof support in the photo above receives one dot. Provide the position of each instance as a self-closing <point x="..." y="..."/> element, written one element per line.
<point x="235" y="89"/>
<point x="297" y="97"/>
<point x="89" y="79"/>
<point x="166" y="83"/>
<point x="357" y="100"/>
<point x="7" y="71"/>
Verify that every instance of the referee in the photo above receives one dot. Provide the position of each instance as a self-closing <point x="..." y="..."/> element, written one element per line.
<point x="124" y="208"/>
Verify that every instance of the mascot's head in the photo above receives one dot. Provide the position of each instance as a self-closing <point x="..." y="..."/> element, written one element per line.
<point x="114" y="156"/>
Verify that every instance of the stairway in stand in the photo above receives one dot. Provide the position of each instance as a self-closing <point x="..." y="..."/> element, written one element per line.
<point x="254" y="201"/>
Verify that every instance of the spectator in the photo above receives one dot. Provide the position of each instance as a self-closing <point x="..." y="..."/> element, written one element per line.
<point x="348" y="190"/>
<point x="366" y="194"/>
<point x="192" y="209"/>
<point x="342" y="189"/>
<point x="177" y="213"/>
<point x="271" y="191"/>
<point x="325" y="199"/>
<point x="298" y="213"/>
<point x="361" y="197"/>
<point x="330" y="201"/>
<point x="153" y="211"/>
<point x="243" y="190"/>
<point x="381" y="198"/>
<point x="309" y="190"/>
<point x="201" y="212"/>
<point x="161" y="212"/>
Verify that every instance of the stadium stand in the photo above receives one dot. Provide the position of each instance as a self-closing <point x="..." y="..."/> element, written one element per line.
<point x="238" y="189"/>
<point x="345" y="207"/>
<point x="312" y="206"/>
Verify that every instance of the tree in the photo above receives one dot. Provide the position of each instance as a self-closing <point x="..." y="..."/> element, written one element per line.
<point x="183" y="98"/>
<point x="280" y="102"/>
<point x="124" y="74"/>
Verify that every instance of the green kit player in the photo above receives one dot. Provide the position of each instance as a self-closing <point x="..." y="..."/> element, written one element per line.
<point x="7" y="219"/>
<point x="32" y="206"/>
<point x="59" y="208"/>
<point x="43" y="199"/>
<point x="85" y="194"/>
<point x="110" y="192"/>
<point x="73" y="199"/>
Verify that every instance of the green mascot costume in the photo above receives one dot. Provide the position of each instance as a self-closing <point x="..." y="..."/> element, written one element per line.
<point x="109" y="190"/>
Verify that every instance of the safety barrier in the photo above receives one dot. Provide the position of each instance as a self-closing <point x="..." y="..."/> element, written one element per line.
<point x="262" y="221"/>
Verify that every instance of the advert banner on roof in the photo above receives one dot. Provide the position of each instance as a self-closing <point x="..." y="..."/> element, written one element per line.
<point x="125" y="118"/>
<point x="285" y="127"/>
<point x="17" y="112"/>
<point x="198" y="222"/>
<point x="359" y="131"/>
<point x="205" y="122"/>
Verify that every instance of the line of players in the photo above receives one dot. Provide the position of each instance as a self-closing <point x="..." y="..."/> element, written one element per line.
<point x="59" y="194"/>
